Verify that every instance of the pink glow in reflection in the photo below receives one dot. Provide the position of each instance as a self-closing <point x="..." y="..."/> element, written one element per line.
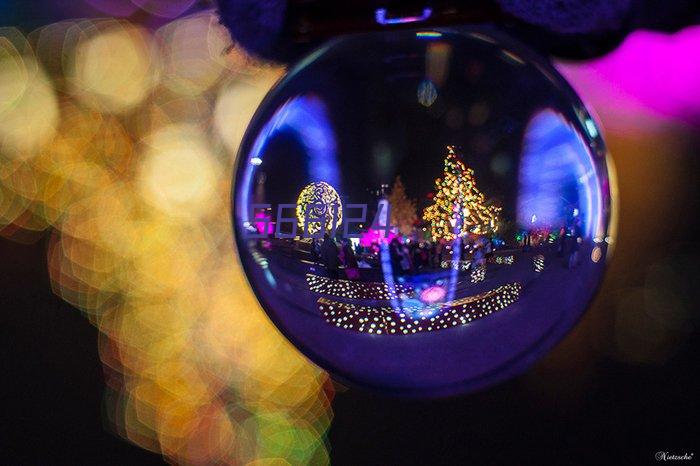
<point x="371" y="237"/>
<point x="651" y="73"/>
<point x="265" y="223"/>
<point x="433" y="294"/>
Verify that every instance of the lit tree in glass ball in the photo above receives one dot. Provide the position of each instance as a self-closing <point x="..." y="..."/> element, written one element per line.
<point x="459" y="208"/>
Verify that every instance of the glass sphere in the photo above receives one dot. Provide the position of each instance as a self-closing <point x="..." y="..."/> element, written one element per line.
<point x="423" y="212"/>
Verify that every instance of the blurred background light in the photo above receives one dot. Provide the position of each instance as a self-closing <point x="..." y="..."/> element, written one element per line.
<point x="178" y="173"/>
<point x="651" y="73"/>
<point x="114" y="68"/>
<point x="194" y="53"/>
<point x="118" y="139"/>
<point x="236" y="104"/>
<point x="28" y="105"/>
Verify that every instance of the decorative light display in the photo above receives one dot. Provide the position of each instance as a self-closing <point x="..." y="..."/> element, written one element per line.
<point x="388" y="321"/>
<point x="459" y="208"/>
<point x="456" y="264"/>
<point x="319" y="206"/>
<point x="478" y="274"/>
<point x="504" y="260"/>
<point x="430" y="161"/>
<point x="357" y="290"/>
<point x="538" y="263"/>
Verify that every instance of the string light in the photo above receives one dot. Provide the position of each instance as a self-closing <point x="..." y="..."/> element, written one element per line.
<point x="414" y="319"/>
<point x="538" y="263"/>
<point x="478" y="274"/>
<point x="356" y="290"/>
<point x="455" y="264"/>
<point x="503" y="260"/>
<point x="459" y="207"/>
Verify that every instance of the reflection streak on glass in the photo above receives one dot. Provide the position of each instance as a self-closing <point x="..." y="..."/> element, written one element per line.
<point x="555" y="158"/>
<point x="306" y="118"/>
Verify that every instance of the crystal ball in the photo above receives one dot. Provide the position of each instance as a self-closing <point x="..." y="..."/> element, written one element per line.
<point x="424" y="212"/>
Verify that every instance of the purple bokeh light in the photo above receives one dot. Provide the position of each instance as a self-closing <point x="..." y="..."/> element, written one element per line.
<point x="651" y="73"/>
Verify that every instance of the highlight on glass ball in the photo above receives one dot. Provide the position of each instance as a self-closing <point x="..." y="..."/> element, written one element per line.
<point x="423" y="213"/>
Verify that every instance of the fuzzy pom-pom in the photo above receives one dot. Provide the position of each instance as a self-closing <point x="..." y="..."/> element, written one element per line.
<point x="570" y="16"/>
<point x="255" y="24"/>
<point x="260" y="25"/>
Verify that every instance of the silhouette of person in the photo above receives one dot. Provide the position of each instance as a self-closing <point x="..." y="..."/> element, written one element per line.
<point x="576" y="240"/>
<point x="395" y="254"/>
<point x="351" y="267"/>
<point x="329" y="256"/>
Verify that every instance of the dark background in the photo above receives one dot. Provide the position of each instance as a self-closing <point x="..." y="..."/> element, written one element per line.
<point x="52" y="379"/>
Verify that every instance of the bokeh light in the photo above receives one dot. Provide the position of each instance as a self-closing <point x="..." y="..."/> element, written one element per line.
<point x="193" y="50"/>
<point x="28" y="104"/>
<point x="114" y="67"/>
<point x="118" y="141"/>
<point x="178" y="172"/>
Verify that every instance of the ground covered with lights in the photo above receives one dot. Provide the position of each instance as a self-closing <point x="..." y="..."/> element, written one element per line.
<point x="423" y="302"/>
<point x="410" y="333"/>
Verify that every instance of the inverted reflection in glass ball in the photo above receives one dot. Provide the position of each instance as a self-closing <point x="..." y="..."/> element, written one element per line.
<point x="423" y="213"/>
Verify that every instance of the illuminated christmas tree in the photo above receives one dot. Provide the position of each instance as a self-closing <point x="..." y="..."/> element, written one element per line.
<point x="459" y="208"/>
<point x="403" y="209"/>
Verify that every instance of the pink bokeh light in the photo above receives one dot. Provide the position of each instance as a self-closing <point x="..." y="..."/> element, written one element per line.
<point x="433" y="294"/>
<point x="651" y="74"/>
